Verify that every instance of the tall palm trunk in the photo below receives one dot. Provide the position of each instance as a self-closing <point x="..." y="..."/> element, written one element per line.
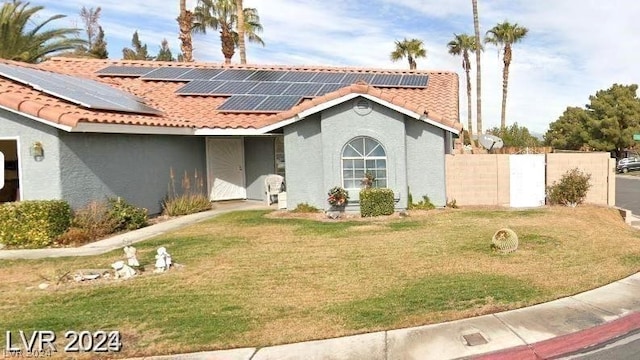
<point x="185" y="21"/>
<point x="476" y="27"/>
<point x="505" y="84"/>
<point x="467" y="69"/>
<point x="228" y="44"/>
<point x="240" y="30"/>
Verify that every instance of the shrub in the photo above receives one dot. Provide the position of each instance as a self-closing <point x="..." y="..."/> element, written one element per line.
<point x="452" y="204"/>
<point x="95" y="219"/>
<point x="424" y="204"/>
<point x="33" y="224"/>
<point x="376" y="201"/>
<point x="127" y="216"/>
<point x="193" y="199"/>
<point x="75" y="236"/>
<point x="305" y="208"/>
<point x="571" y="190"/>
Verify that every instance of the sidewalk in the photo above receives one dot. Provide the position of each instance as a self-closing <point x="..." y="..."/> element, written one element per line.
<point x="542" y="331"/>
<point x="132" y="237"/>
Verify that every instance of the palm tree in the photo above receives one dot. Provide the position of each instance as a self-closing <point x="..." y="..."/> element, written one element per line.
<point x="240" y="29"/>
<point x="22" y="39"/>
<point x="185" y="23"/>
<point x="221" y="15"/>
<point x="476" y="28"/>
<point x="461" y="45"/>
<point x="411" y="49"/>
<point x="504" y="35"/>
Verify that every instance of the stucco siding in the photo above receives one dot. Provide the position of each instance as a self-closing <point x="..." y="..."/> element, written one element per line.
<point x="39" y="177"/>
<point x="134" y="167"/>
<point x="426" y="148"/>
<point x="342" y="123"/>
<point x="260" y="161"/>
<point x="303" y="155"/>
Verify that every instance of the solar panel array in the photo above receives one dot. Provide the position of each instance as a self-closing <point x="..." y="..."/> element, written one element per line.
<point x="264" y="90"/>
<point x="84" y="92"/>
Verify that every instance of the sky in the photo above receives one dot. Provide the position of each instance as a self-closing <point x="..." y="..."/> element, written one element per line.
<point x="573" y="49"/>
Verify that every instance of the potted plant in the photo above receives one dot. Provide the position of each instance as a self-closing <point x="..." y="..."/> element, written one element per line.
<point x="338" y="197"/>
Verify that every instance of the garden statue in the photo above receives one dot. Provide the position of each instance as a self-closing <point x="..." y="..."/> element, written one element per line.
<point x="122" y="270"/>
<point x="130" y="252"/>
<point x="163" y="260"/>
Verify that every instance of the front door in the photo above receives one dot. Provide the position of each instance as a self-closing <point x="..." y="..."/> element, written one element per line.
<point x="225" y="169"/>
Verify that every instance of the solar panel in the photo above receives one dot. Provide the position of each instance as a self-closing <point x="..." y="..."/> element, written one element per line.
<point x="234" y="74"/>
<point x="303" y="89"/>
<point x="117" y="70"/>
<point x="199" y="87"/>
<point x="241" y="102"/>
<point x="266" y="75"/>
<point x="298" y="76"/>
<point x="355" y="77"/>
<point x="277" y="103"/>
<point x="84" y="92"/>
<point x="392" y="80"/>
<point x="200" y="74"/>
<point x="414" y="80"/>
<point x="328" y="78"/>
<point x="269" y="88"/>
<point x="327" y="88"/>
<point x="166" y="74"/>
<point x="235" y="87"/>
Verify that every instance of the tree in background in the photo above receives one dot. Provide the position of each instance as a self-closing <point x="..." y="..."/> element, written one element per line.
<point x="504" y="35"/>
<point x="515" y="135"/>
<point x="242" y="48"/>
<point x="476" y="28"/>
<point x="461" y="45"/>
<point x="185" y="24"/>
<point x="222" y="15"/>
<point x="98" y="48"/>
<point x="24" y="39"/>
<point x="164" y="54"/>
<point x="607" y="124"/>
<point x="410" y="49"/>
<point x="139" y="51"/>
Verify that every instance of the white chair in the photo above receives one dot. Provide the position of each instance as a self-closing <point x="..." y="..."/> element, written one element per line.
<point x="273" y="185"/>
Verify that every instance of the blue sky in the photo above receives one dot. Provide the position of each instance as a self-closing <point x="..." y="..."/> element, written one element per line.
<point x="573" y="49"/>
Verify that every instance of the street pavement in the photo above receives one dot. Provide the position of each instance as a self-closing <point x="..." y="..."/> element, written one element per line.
<point x="544" y="331"/>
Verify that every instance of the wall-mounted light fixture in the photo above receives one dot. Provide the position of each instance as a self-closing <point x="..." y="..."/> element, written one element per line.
<point x="37" y="150"/>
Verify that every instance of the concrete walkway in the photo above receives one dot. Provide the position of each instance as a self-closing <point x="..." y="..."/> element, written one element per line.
<point x="542" y="331"/>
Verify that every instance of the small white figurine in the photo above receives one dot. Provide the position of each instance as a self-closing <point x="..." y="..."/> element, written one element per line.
<point x="163" y="260"/>
<point x="130" y="252"/>
<point x="122" y="270"/>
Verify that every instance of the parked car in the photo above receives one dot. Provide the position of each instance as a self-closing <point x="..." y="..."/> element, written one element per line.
<point x="628" y="164"/>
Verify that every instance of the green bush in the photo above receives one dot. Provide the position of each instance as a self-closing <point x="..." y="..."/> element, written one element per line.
<point x="424" y="204"/>
<point x="571" y="190"/>
<point x="305" y="208"/>
<point x="376" y="201"/>
<point x="33" y="224"/>
<point x="127" y="216"/>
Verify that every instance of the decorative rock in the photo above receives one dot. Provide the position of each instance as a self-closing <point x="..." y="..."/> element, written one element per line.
<point x="333" y="215"/>
<point x="122" y="270"/>
<point x="403" y="213"/>
<point x="163" y="260"/>
<point x="43" y="286"/>
<point x="2" y="246"/>
<point x="130" y="253"/>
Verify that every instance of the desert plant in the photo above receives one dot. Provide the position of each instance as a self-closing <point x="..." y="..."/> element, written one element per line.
<point x="191" y="199"/>
<point x="571" y="190"/>
<point x="452" y="204"/>
<point x="127" y="216"/>
<point x="505" y="240"/>
<point x="376" y="202"/>
<point x="75" y="236"/>
<point x="305" y="208"/>
<point x="95" y="219"/>
<point x="424" y="204"/>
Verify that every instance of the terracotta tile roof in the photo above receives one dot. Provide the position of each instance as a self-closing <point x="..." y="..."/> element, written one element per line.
<point x="439" y="100"/>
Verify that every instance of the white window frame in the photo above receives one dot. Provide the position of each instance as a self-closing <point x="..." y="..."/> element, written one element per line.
<point x="379" y="181"/>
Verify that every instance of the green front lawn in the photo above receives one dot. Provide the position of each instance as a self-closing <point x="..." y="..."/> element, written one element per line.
<point x="250" y="279"/>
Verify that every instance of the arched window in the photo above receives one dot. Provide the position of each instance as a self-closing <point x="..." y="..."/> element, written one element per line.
<point x="360" y="156"/>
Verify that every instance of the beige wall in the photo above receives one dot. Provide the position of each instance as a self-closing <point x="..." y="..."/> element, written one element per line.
<point x="483" y="179"/>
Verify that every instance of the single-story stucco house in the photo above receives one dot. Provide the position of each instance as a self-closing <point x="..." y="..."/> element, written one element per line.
<point x="84" y="129"/>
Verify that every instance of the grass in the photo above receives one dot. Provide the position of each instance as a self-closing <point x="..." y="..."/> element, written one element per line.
<point x="250" y="279"/>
